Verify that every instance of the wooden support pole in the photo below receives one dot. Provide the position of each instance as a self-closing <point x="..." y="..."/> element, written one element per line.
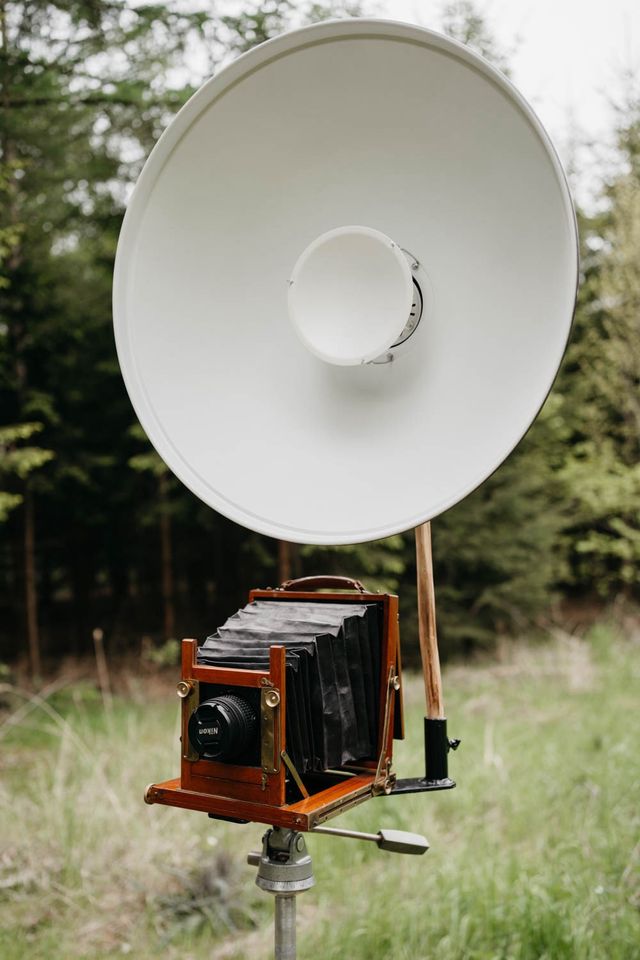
<point x="427" y="623"/>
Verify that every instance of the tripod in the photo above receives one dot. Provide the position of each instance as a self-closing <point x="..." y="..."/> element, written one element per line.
<point x="285" y="870"/>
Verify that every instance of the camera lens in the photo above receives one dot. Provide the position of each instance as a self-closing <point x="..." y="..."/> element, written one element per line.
<point x="222" y="728"/>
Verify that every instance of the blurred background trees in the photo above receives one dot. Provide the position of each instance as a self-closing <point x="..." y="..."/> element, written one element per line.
<point x="93" y="529"/>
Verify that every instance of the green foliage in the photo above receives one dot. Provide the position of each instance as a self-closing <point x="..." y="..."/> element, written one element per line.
<point x="18" y="461"/>
<point x="262" y="19"/>
<point x="165" y="655"/>
<point x="8" y="502"/>
<point x="10" y="230"/>
<point x="496" y="555"/>
<point x="149" y="461"/>
<point x="84" y="96"/>
<point x="601" y="383"/>
<point x="380" y="564"/>
<point x="85" y="91"/>
<point x="462" y="20"/>
<point x="604" y="527"/>
<point x="534" y="854"/>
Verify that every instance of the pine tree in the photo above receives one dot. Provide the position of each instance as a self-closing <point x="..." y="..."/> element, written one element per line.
<point x="80" y="86"/>
<point x="601" y="384"/>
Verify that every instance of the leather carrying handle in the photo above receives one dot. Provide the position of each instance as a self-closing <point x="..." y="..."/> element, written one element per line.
<point x="318" y="583"/>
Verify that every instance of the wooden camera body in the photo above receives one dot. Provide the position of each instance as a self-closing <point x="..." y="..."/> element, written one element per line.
<point x="272" y="791"/>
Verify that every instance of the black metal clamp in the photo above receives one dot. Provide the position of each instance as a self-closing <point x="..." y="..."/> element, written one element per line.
<point x="436" y="762"/>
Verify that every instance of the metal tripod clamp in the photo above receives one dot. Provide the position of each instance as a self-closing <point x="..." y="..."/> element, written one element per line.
<point x="284" y="865"/>
<point x="285" y="870"/>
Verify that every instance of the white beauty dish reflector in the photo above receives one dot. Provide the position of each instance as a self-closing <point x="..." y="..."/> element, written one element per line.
<point x="269" y="400"/>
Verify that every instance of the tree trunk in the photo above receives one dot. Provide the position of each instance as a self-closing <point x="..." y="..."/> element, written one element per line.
<point x="284" y="561"/>
<point x="30" y="591"/>
<point x="166" y="558"/>
<point x="16" y="338"/>
<point x="82" y="574"/>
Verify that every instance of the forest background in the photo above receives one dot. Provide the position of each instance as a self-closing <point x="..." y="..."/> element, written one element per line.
<point x="95" y="533"/>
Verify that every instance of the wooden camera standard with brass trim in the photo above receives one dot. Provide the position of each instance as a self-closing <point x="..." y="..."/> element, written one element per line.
<point x="268" y="787"/>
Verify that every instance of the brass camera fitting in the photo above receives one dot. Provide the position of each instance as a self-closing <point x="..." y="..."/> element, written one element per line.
<point x="184" y="688"/>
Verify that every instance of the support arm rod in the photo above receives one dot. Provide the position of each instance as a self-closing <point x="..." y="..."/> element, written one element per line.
<point x="427" y="623"/>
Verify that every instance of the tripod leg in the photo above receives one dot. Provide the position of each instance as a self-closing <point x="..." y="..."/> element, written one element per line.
<point x="285" y="927"/>
<point x="284" y="869"/>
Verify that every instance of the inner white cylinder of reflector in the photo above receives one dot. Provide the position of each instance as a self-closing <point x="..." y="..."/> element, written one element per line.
<point x="350" y="295"/>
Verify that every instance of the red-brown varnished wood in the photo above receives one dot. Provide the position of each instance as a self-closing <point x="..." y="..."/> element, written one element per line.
<point x="300" y="816"/>
<point x="188" y="652"/>
<point x="336" y="792"/>
<point x="236" y="789"/>
<point x="276" y="782"/>
<point x="330" y="596"/>
<point x="398" y="716"/>
<point x="172" y="794"/>
<point x="189" y="649"/>
<point x="223" y="779"/>
<point x="388" y="666"/>
<point x="278" y="676"/>
<point x="250" y="792"/>
<point x="192" y="670"/>
<point x="212" y="770"/>
<point x="229" y="676"/>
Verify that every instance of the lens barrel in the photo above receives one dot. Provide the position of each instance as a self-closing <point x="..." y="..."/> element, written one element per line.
<point x="223" y="728"/>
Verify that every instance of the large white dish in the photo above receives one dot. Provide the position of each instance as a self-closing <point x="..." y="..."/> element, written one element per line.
<point x="364" y="122"/>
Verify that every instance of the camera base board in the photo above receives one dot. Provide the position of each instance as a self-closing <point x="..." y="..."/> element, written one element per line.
<point x="303" y="815"/>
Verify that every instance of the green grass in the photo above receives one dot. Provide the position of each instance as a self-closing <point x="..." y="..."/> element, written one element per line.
<point x="535" y="855"/>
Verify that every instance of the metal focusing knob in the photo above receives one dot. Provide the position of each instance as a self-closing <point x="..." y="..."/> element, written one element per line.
<point x="183" y="689"/>
<point x="272" y="698"/>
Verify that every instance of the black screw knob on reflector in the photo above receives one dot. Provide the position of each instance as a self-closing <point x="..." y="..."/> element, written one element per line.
<point x="222" y="728"/>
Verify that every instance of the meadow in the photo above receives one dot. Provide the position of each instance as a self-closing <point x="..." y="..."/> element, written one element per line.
<point x="534" y="855"/>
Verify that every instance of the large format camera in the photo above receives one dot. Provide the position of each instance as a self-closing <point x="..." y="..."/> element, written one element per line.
<point x="291" y="707"/>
